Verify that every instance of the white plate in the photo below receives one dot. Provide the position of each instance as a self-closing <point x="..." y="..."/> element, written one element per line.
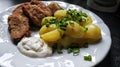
<point x="11" y="57"/>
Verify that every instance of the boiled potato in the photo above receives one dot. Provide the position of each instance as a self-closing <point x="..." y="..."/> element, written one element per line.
<point x="65" y="41"/>
<point x="79" y="41"/>
<point x="89" y="21"/>
<point x="45" y="29"/>
<point x="74" y="30"/>
<point x="51" y="36"/>
<point x="93" y="34"/>
<point x="46" y="19"/>
<point x="60" y="13"/>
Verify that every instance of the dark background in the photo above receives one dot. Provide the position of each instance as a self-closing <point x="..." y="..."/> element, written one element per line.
<point x="112" y="20"/>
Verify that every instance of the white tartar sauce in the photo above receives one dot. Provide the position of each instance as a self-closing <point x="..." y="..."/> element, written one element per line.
<point x="34" y="47"/>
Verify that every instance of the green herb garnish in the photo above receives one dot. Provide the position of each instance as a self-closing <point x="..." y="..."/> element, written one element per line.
<point x="74" y="51"/>
<point x="77" y="16"/>
<point x="85" y="29"/>
<point x="72" y="15"/>
<point x="88" y="58"/>
<point x="47" y="24"/>
<point x="69" y="50"/>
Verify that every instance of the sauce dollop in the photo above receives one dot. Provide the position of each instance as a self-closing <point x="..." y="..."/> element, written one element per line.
<point x="34" y="47"/>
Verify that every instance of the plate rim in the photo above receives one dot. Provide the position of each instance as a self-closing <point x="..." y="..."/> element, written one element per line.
<point x="83" y="9"/>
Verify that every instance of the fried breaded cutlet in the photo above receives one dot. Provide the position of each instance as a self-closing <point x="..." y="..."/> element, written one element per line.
<point x="18" y="24"/>
<point x="36" y="11"/>
<point x="22" y="16"/>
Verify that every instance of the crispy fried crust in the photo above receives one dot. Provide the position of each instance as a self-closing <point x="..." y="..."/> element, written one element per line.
<point x="36" y="11"/>
<point x="18" y="24"/>
<point x="24" y="14"/>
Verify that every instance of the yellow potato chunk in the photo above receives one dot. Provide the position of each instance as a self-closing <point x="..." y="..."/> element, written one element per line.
<point x="89" y="21"/>
<point x="45" y="29"/>
<point x="93" y="33"/>
<point x="60" y="13"/>
<point x="79" y="41"/>
<point x="65" y="41"/>
<point x="74" y="30"/>
<point x="51" y="36"/>
<point x="46" y="19"/>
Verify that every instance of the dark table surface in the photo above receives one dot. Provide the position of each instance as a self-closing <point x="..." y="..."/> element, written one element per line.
<point x="112" y="20"/>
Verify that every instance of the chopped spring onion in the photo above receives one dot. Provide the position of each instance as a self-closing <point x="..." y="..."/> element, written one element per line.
<point x="85" y="29"/>
<point x="76" y="15"/>
<point x="69" y="50"/>
<point x="72" y="15"/>
<point x="88" y="58"/>
<point x="74" y="51"/>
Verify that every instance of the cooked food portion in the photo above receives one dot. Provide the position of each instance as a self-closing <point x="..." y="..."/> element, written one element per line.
<point x="93" y="34"/>
<point x="36" y="11"/>
<point x="69" y="28"/>
<point x="19" y="9"/>
<point x="25" y="14"/>
<point x="60" y="14"/>
<point x="59" y="28"/>
<point x="34" y="47"/>
<point x="18" y="24"/>
<point x="54" y="7"/>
